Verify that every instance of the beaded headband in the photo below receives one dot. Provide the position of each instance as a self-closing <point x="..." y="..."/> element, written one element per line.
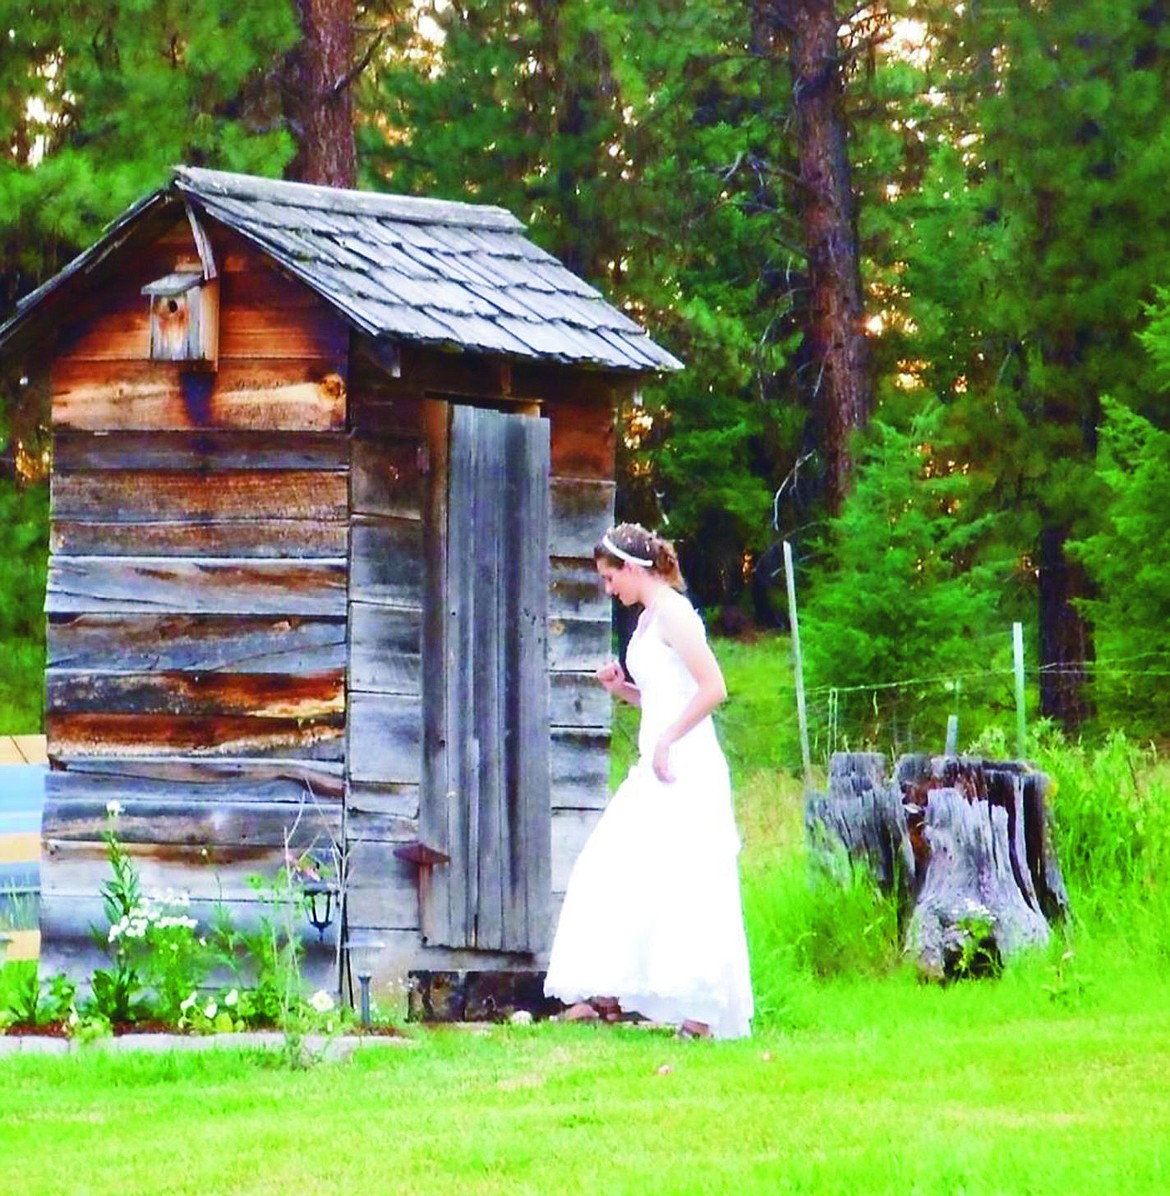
<point x="622" y="554"/>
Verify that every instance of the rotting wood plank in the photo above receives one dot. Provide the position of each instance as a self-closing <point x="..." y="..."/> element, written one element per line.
<point x="276" y="395"/>
<point x="385" y="738"/>
<point x="206" y="872"/>
<point x="579" y="767"/>
<point x="159" y="496"/>
<point x="259" y="695"/>
<point x="382" y="407"/>
<point x="209" y="452"/>
<point x="67" y="943"/>
<point x="526" y="908"/>
<point x="446" y="816"/>
<point x="202" y="824"/>
<point x="570" y="830"/>
<point x="264" y="538"/>
<point x="247" y="586"/>
<point x="293" y="646"/>
<point x="385" y="649"/>
<point x="194" y="781"/>
<point x="250" y="327"/>
<point x="382" y="800"/>
<point x="581" y="509"/>
<point x="561" y="384"/>
<point x="437" y="764"/>
<point x="455" y="374"/>
<point x="578" y="700"/>
<point x="575" y="592"/>
<point x="381" y="889"/>
<point x="577" y="645"/>
<point x="386" y="478"/>
<point x="74" y="735"/>
<point x="491" y="831"/>
<point x="386" y="561"/>
<point x="583" y="441"/>
<point x="365" y="826"/>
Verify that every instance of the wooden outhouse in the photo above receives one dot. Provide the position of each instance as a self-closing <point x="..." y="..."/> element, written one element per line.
<point x="328" y="467"/>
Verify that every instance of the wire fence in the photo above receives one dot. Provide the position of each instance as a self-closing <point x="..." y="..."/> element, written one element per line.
<point x="909" y="714"/>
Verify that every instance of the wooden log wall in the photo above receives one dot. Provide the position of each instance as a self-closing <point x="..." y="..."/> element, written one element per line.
<point x="196" y="596"/>
<point x="389" y="450"/>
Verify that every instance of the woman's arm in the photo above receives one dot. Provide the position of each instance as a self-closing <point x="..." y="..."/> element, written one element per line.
<point x="681" y="629"/>
<point x="613" y="678"/>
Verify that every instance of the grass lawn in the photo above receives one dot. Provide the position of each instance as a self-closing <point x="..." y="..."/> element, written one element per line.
<point x="1053" y="1079"/>
<point x="889" y="1088"/>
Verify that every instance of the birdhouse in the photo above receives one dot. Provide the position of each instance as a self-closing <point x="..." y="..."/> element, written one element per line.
<point x="184" y="318"/>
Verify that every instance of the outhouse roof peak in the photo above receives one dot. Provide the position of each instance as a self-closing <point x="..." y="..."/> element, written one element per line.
<point x="208" y="184"/>
<point x="456" y="276"/>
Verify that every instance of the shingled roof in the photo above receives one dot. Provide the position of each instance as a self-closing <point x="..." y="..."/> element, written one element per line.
<point x="453" y="275"/>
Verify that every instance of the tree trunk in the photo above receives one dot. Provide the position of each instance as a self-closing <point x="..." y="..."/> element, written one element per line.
<point x="836" y="347"/>
<point x="319" y="98"/>
<point x="1066" y="640"/>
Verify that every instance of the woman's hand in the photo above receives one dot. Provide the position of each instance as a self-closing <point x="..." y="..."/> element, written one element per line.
<point x="611" y="676"/>
<point x="661" y="762"/>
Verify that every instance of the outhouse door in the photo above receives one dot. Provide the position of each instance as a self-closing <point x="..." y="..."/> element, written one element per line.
<point x="485" y="786"/>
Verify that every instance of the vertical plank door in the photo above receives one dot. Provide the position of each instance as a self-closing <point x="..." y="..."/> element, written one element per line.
<point x="485" y="801"/>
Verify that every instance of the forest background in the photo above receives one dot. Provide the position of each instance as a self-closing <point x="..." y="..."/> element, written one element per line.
<point x="913" y="253"/>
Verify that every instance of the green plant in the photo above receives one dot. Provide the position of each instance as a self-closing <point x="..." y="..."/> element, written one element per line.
<point x="157" y="957"/>
<point x="24" y="1001"/>
<point x="972" y="951"/>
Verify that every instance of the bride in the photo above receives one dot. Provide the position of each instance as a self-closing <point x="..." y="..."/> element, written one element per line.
<point x="652" y="915"/>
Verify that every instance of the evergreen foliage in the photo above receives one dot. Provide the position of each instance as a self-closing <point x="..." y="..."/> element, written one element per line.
<point x="635" y="139"/>
<point x="1126" y="556"/>
<point x="898" y="595"/>
<point x="100" y="100"/>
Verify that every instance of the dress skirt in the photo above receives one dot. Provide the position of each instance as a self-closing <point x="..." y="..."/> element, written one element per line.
<point x="652" y="913"/>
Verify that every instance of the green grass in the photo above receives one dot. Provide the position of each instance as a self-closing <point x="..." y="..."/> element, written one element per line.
<point x="1054" y="1078"/>
<point x="892" y="1088"/>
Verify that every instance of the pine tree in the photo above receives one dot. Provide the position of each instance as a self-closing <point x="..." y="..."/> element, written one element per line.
<point x="634" y="139"/>
<point x="101" y="99"/>
<point x="1037" y="235"/>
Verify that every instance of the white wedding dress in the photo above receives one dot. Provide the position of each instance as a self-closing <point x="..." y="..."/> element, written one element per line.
<point x="652" y="913"/>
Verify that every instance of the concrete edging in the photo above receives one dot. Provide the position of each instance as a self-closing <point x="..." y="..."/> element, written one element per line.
<point x="321" y="1047"/>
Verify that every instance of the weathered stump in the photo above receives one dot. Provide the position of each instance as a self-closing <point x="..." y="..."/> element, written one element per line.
<point x="861" y="820"/>
<point x="971" y="846"/>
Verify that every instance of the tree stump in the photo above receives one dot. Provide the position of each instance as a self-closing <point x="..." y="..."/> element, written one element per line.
<point x="965" y="844"/>
<point x="862" y="821"/>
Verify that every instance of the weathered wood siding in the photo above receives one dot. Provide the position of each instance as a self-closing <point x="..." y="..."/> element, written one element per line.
<point x="197" y="595"/>
<point x="390" y="440"/>
<point x="388" y="458"/>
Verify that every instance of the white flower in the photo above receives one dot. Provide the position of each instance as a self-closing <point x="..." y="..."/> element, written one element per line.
<point x="321" y="1001"/>
<point x="521" y="1018"/>
<point x="210" y="1010"/>
<point x="186" y="1004"/>
<point x="114" y="808"/>
<point x="231" y="998"/>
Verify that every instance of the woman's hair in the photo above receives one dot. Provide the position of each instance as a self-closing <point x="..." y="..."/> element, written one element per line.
<point x="643" y="546"/>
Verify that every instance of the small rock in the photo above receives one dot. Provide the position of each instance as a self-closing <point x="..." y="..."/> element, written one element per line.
<point x="581" y="1012"/>
<point x="521" y="1018"/>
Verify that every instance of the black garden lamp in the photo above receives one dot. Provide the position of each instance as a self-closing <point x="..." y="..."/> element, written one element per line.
<point x="319" y="905"/>
<point x="362" y="954"/>
<point x="317" y="893"/>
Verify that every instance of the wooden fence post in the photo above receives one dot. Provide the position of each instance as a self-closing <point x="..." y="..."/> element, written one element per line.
<point x="797" y="665"/>
<point x="1018" y="654"/>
